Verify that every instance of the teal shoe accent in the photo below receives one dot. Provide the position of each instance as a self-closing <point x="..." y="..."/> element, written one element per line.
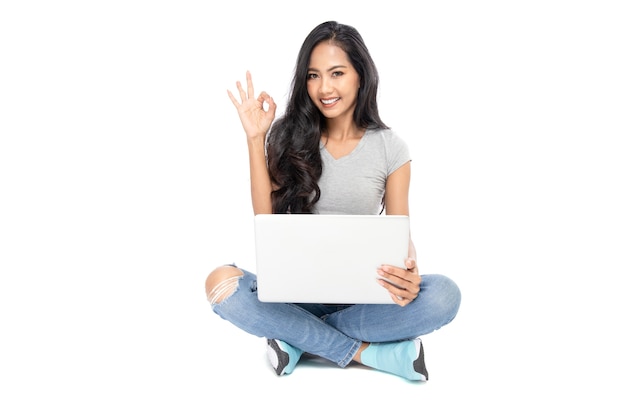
<point x="405" y="359"/>
<point x="282" y="356"/>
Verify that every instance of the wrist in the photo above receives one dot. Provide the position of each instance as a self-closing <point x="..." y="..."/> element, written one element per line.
<point x="255" y="142"/>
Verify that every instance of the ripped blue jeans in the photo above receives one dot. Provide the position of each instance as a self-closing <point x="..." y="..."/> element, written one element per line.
<point x="335" y="332"/>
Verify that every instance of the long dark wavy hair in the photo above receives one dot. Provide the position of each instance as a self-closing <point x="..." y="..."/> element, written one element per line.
<point x="293" y="142"/>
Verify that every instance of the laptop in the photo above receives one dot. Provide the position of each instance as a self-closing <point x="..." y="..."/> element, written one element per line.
<point x="330" y="259"/>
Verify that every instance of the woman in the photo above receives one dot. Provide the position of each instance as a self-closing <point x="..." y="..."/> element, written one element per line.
<point x="330" y="153"/>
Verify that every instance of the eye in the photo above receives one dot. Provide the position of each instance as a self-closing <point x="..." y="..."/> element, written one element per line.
<point x="311" y="76"/>
<point x="337" y="73"/>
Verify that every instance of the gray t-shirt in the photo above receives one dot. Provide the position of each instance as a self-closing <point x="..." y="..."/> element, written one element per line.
<point x="355" y="183"/>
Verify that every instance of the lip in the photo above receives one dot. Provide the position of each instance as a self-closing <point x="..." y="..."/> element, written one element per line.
<point x="329" y="102"/>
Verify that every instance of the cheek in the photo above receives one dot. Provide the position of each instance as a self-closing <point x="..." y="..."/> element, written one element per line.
<point x="355" y="91"/>
<point x="312" y="96"/>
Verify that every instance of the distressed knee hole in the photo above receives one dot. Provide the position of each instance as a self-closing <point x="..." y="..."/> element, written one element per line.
<point x="222" y="283"/>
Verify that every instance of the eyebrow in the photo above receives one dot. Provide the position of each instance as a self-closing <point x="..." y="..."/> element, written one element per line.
<point x="329" y="69"/>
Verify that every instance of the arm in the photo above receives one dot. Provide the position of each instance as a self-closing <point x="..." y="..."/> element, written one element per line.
<point x="397" y="191"/>
<point x="256" y="122"/>
<point x="397" y="203"/>
<point x="260" y="184"/>
<point x="397" y="196"/>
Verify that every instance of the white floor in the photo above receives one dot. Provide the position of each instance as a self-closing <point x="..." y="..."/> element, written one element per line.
<point x="114" y="346"/>
<point x="173" y="357"/>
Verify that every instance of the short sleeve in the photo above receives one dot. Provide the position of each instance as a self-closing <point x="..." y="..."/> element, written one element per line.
<point x="397" y="150"/>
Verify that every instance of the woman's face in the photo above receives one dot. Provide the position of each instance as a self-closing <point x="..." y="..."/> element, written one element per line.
<point x="332" y="81"/>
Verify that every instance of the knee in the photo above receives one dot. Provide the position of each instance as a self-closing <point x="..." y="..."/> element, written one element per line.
<point x="222" y="282"/>
<point x="448" y="297"/>
<point x="452" y="296"/>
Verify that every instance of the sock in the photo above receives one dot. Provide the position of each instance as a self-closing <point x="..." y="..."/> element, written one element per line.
<point x="283" y="357"/>
<point x="405" y="359"/>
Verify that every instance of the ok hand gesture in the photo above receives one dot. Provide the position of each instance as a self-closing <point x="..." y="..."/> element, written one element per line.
<point x="256" y="120"/>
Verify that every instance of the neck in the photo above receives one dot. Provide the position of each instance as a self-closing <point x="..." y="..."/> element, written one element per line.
<point x="342" y="131"/>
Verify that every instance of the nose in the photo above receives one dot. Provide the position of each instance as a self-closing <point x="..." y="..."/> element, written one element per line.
<point x="326" y="86"/>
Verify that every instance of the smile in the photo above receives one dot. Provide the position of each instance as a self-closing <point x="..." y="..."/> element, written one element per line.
<point x="330" y="101"/>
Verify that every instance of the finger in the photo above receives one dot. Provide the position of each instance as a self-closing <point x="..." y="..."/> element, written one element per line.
<point x="407" y="284"/>
<point x="397" y="299"/>
<point x="392" y="285"/>
<point x="389" y="278"/>
<point x="271" y="104"/>
<point x="232" y="98"/>
<point x="263" y="97"/>
<point x="271" y="110"/>
<point x="392" y="271"/>
<point x="242" y="92"/>
<point x="249" y="83"/>
<point x="404" y="297"/>
<point x="398" y="295"/>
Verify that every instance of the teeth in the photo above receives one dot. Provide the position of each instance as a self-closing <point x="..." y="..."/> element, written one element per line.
<point x="331" y="101"/>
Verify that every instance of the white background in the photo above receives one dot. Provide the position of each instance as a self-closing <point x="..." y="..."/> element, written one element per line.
<point x="124" y="181"/>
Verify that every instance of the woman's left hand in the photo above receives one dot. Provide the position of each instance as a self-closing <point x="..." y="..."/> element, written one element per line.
<point x="402" y="283"/>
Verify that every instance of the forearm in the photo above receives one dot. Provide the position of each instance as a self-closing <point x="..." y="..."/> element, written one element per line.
<point x="260" y="184"/>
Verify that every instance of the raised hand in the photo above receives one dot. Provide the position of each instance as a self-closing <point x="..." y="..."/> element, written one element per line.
<point x="255" y="118"/>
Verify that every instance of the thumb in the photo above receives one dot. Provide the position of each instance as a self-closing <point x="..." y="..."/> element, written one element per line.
<point x="410" y="263"/>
